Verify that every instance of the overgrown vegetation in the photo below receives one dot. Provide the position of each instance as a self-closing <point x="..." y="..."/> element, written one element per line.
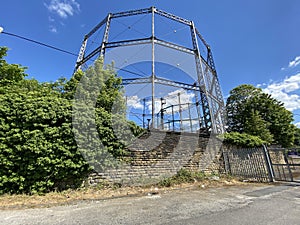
<point x="253" y="112"/>
<point x="243" y="140"/>
<point x="183" y="176"/>
<point x="297" y="138"/>
<point x="38" y="151"/>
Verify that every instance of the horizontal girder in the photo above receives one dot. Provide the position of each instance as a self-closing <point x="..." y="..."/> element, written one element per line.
<point x="148" y="11"/>
<point x="99" y="25"/>
<point x="131" y="13"/>
<point x="148" y="41"/>
<point x="163" y="81"/>
<point x="127" y="43"/>
<point x="174" y="46"/>
<point x="173" y="17"/>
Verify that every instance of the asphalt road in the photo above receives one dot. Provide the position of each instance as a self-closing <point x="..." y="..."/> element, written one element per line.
<point x="279" y="204"/>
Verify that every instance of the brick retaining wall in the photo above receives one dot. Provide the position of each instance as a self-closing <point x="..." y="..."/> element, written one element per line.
<point x="159" y="154"/>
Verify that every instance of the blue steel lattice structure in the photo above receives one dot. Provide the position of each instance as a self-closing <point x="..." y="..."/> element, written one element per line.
<point x="208" y="98"/>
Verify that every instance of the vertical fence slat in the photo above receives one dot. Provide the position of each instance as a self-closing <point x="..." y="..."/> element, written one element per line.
<point x="247" y="163"/>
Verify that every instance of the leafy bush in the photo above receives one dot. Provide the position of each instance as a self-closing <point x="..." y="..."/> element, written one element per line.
<point x="183" y="176"/>
<point x="243" y="140"/>
<point x="38" y="151"/>
<point x="37" y="148"/>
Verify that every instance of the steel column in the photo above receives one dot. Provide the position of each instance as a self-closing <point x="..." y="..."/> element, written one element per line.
<point x="153" y="66"/>
<point x="201" y="81"/>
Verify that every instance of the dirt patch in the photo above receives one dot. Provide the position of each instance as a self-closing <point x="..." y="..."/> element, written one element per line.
<point x="92" y="194"/>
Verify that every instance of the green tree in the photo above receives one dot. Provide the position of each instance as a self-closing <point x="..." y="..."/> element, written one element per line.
<point x="71" y="85"/>
<point x="256" y="126"/>
<point x="37" y="147"/>
<point x="297" y="137"/>
<point x="38" y="152"/>
<point x="9" y="73"/>
<point x="101" y="128"/>
<point x="252" y="111"/>
<point x="242" y="140"/>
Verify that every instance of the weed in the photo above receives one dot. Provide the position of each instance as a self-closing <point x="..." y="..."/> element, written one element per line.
<point x="183" y="176"/>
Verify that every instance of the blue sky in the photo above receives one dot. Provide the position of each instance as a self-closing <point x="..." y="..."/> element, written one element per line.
<point x="253" y="42"/>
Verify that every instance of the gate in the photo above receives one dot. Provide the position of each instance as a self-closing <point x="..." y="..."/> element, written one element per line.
<point x="252" y="164"/>
<point x="285" y="164"/>
<point x="263" y="164"/>
<point x="293" y="157"/>
<point x="280" y="166"/>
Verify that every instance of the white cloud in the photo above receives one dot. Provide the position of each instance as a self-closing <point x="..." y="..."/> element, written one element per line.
<point x="261" y="85"/>
<point x="295" y="62"/>
<point x="282" y="91"/>
<point x="53" y="29"/>
<point x="134" y="102"/>
<point x="173" y="99"/>
<point x="170" y="99"/>
<point x="51" y="19"/>
<point x="157" y="106"/>
<point x="297" y="124"/>
<point x="63" y="8"/>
